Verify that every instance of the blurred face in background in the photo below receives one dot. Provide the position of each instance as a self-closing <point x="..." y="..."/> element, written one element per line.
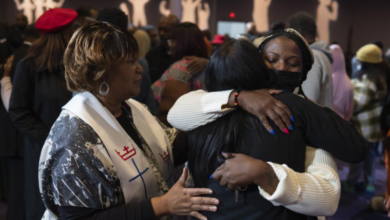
<point x="21" y="21"/>
<point x="153" y="34"/>
<point x="165" y="29"/>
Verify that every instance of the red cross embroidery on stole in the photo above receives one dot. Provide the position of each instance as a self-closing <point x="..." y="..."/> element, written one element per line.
<point x="127" y="153"/>
<point x="164" y="156"/>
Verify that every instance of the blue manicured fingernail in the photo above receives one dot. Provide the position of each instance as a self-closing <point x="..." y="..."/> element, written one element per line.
<point x="292" y="118"/>
<point x="291" y="128"/>
<point x="223" y="152"/>
<point x="272" y="131"/>
<point x="211" y="177"/>
<point x="284" y="91"/>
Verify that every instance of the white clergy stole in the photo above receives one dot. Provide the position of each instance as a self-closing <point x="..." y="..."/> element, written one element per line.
<point x="136" y="173"/>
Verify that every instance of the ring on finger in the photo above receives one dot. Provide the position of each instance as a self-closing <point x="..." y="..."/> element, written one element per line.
<point x="242" y="190"/>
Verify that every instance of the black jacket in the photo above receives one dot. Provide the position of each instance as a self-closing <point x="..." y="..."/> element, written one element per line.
<point x="36" y="101"/>
<point x="8" y="133"/>
<point x="159" y="60"/>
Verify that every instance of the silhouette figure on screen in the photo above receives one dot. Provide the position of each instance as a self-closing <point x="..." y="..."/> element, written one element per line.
<point x="260" y="14"/>
<point x="39" y="8"/>
<point x="163" y="8"/>
<point x="54" y="4"/>
<point x="139" y="16"/>
<point x="324" y="16"/>
<point x="203" y="16"/>
<point x="27" y="7"/>
<point x="123" y="7"/>
<point x="189" y="7"/>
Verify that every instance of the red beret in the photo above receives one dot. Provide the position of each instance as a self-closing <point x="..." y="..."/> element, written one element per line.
<point x="54" y="20"/>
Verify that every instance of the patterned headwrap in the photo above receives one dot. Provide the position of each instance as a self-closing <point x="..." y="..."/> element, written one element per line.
<point x="307" y="54"/>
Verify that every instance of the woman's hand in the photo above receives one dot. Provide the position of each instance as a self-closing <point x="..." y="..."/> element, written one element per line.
<point x="184" y="201"/>
<point x="8" y="66"/>
<point x="196" y="65"/>
<point x="240" y="170"/>
<point x="265" y="106"/>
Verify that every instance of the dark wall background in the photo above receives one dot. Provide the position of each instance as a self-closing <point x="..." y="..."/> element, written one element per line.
<point x="365" y="20"/>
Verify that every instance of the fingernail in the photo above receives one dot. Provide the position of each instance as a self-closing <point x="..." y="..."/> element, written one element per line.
<point x="216" y="202"/>
<point x="292" y="118"/>
<point x="210" y="192"/>
<point x="291" y="128"/>
<point x="211" y="177"/>
<point x="214" y="208"/>
<point x="272" y="131"/>
<point x="286" y="131"/>
<point x="223" y="152"/>
<point x="284" y="91"/>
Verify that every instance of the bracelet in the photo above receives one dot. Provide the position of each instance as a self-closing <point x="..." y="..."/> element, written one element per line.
<point x="236" y="96"/>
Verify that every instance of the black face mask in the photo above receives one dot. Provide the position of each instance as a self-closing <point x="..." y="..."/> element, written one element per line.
<point x="286" y="80"/>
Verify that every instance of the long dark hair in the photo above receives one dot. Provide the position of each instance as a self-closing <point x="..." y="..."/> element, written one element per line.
<point x="48" y="50"/>
<point x="235" y="64"/>
<point x="189" y="41"/>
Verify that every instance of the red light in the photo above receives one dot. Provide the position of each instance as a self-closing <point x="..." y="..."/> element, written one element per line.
<point x="232" y="15"/>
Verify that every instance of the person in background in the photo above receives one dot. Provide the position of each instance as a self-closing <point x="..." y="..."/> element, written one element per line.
<point x="13" y="148"/>
<point x="369" y="92"/>
<point x="218" y="41"/>
<point x="153" y="34"/>
<point x="11" y="151"/>
<point x="356" y="65"/>
<point x="160" y="57"/>
<point x="106" y="156"/>
<point x="187" y="40"/>
<point x="143" y="41"/>
<point x="318" y="85"/>
<point x="31" y="34"/>
<point x="5" y="48"/>
<point x="118" y="18"/>
<point x="38" y="94"/>
<point x="343" y="103"/>
<point x="15" y="32"/>
<point x="86" y="14"/>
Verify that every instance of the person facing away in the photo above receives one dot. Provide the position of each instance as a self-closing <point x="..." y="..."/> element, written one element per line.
<point x="318" y="85"/>
<point x="238" y="64"/>
<point x="343" y="103"/>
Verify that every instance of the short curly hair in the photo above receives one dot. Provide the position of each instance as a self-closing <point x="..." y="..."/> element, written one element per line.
<point x="94" y="50"/>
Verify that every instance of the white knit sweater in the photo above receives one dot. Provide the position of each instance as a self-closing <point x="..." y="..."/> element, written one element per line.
<point x="315" y="192"/>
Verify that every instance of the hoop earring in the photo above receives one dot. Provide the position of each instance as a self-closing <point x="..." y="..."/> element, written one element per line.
<point x="105" y="92"/>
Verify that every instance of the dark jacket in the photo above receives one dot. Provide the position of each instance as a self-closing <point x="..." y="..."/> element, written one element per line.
<point x="36" y="101"/>
<point x="11" y="141"/>
<point x="159" y="60"/>
<point x="313" y="126"/>
<point x="146" y="95"/>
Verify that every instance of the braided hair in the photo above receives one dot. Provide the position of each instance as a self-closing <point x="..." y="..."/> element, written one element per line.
<point x="307" y="54"/>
